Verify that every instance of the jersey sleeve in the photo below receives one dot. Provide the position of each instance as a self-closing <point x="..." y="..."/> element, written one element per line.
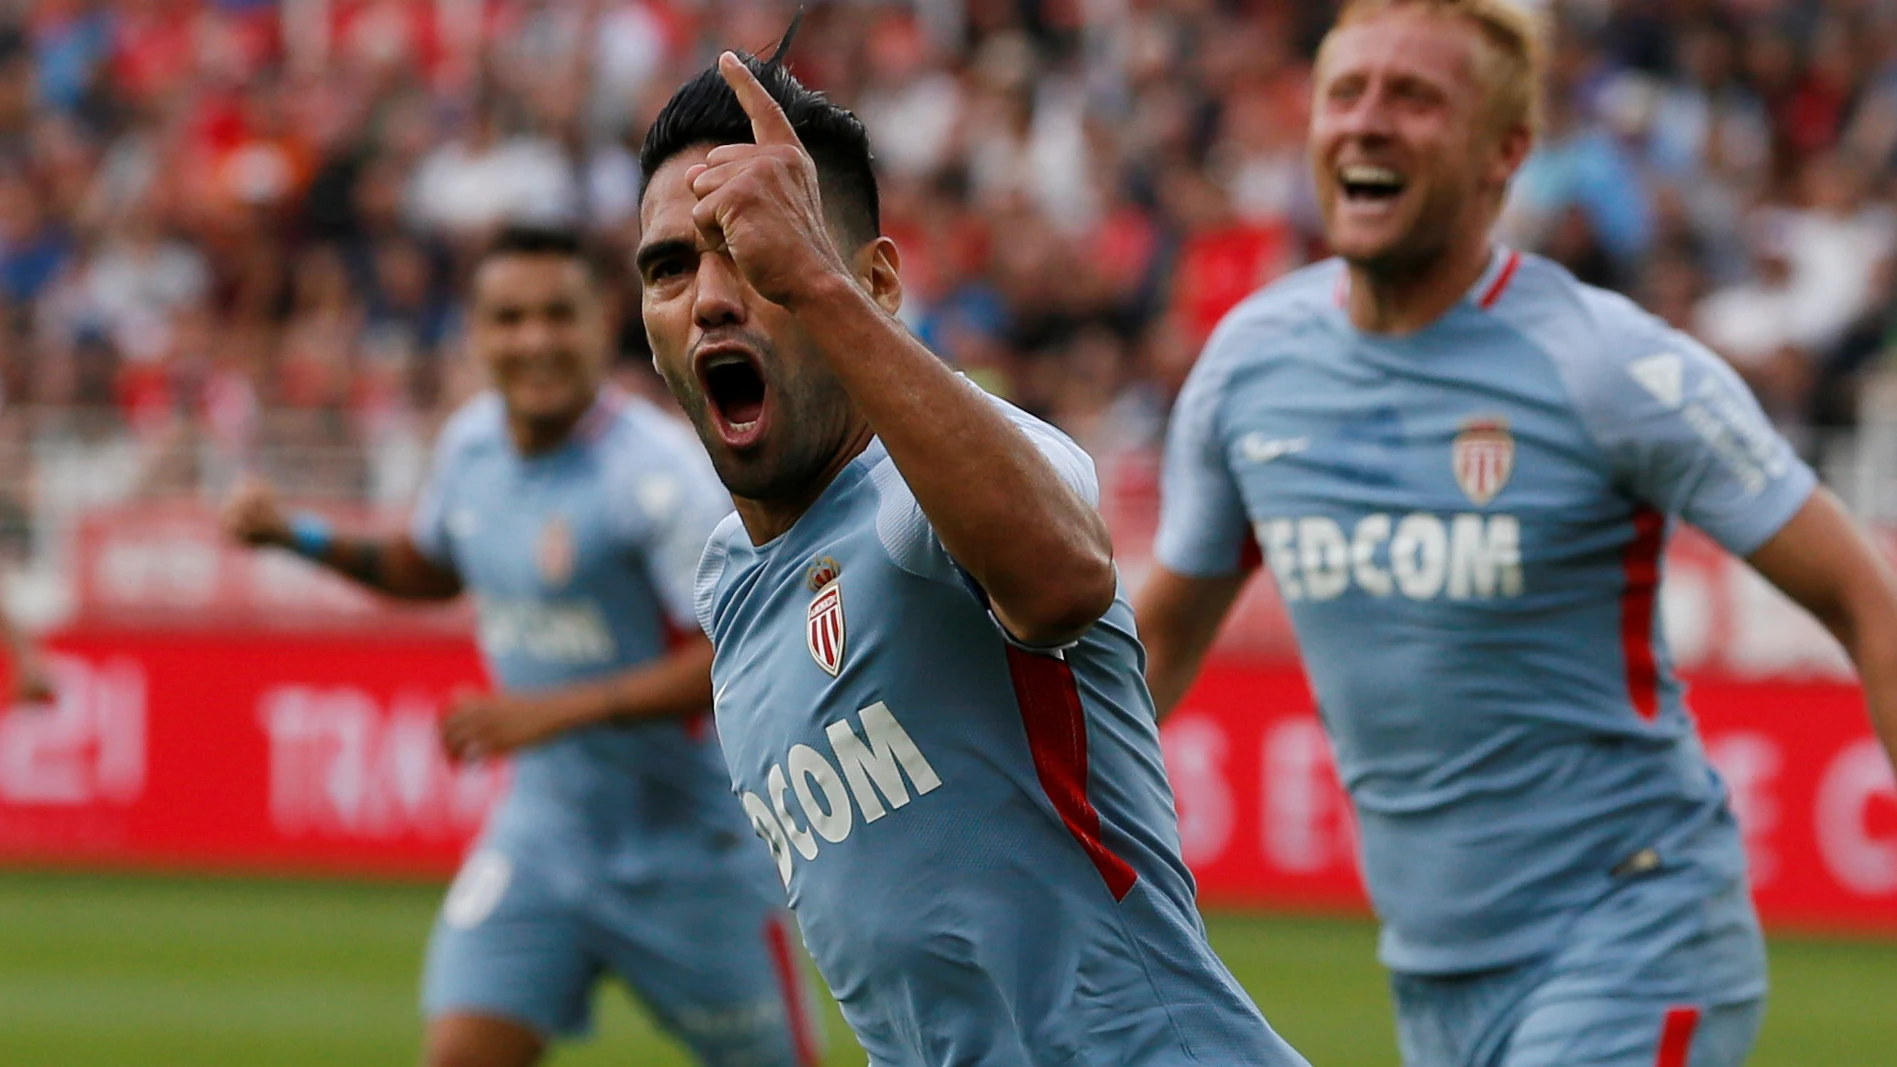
<point x="428" y="522"/>
<point x="1202" y="524"/>
<point x="911" y="540"/>
<point x="1685" y="435"/>
<point x="671" y="510"/>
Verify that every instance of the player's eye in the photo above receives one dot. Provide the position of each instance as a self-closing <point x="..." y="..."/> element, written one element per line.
<point x="1344" y="90"/>
<point x="1417" y="94"/>
<point x="670" y="267"/>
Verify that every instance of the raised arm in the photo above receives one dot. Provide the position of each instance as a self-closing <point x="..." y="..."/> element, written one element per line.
<point x="1037" y="547"/>
<point x="1830" y="568"/>
<point x="387" y="563"/>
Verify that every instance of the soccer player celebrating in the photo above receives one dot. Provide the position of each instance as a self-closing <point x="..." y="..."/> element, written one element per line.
<point x="575" y="514"/>
<point x="1460" y="464"/>
<point x="927" y="682"/>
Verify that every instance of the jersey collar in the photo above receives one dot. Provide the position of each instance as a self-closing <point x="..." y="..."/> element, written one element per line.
<point x="1488" y="288"/>
<point x="1503" y="262"/>
<point x="599" y="418"/>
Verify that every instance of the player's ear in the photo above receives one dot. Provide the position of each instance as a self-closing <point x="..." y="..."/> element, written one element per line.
<point x="1511" y="150"/>
<point x="878" y="267"/>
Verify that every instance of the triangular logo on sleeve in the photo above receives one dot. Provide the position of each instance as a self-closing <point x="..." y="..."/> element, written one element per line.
<point x="1664" y="375"/>
<point x="824" y="629"/>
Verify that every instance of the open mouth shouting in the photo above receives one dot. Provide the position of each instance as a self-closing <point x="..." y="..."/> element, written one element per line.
<point x="735" y="394"/>
<point x="1369" y="186"/>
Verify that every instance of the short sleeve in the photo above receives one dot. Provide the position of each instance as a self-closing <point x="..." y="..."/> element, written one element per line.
<point x="1685" y="435"/>
<point x="1202" y="525"/>
<point x="674" y="507"/>
<point x="906" y="532"/>
<point x="428" y="522"/>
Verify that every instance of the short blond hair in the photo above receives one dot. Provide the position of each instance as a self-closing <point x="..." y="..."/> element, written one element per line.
<point x="1511" y="65"/>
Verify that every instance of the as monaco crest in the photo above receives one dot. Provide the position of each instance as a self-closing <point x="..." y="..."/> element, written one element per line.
<point x="824" y="629"/>
<point x="1484" y="457"/>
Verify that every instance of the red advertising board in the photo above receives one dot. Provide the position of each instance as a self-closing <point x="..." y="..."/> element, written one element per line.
<point x="317" y="752"/>
<point x="244" y="751"/>
<point x="222" y="709"/>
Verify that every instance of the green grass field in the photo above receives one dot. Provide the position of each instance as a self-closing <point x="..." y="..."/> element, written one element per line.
<point x="151" y="972"/>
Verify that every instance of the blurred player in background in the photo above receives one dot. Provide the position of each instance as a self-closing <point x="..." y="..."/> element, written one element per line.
<point x="1460" y="464"/>
<point x="575" y="515"/>
<point x="927" y="683"/>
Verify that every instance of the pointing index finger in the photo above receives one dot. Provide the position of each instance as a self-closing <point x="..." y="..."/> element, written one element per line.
<point x="768" y="124"/>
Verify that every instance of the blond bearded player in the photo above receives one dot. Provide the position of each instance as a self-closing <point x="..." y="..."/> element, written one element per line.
<point x="1459" y="466"/>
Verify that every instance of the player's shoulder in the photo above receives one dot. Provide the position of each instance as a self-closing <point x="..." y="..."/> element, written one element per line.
<point x="479" y="424"/>
<point x="1607" y="350"/>
<point x="1279" y="320"/>
<point x="1574" y="322"/>
<point x="711" y="568"/>
<point x="904" y="530"/>
<point x="653" y="464"/>
<point x="631" y="428"/>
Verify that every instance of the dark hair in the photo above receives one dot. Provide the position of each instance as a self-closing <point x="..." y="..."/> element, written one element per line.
<point x="705" y="111"/>
<point x="530" y="239"/>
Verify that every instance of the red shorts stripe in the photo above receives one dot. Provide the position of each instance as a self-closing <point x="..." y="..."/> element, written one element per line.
<point x="1676" y="1037"/>
<point x="796" y="1009"/>
<point x="1640" y="562"/>
<point x="1057" y="737"/>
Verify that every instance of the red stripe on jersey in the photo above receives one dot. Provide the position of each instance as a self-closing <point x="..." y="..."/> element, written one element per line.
<point x="1057" y="736"/>
<point x="1250" y="556"/>
<point x="1500" y="283"/>
<point x="1676" y="1037"/>
<point x="791" y="983"/>
<point x="1640" y="562"/>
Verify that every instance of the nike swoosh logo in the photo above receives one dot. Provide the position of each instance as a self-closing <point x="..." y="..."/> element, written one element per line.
<point x="1257" y="448"/>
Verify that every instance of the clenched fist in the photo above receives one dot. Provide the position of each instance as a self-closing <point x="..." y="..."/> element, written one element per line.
<point x="251" y="515"/>
<point x="761" y="202"/>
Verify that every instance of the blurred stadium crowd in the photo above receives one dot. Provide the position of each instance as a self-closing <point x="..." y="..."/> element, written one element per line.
<point x="235" y="229"/>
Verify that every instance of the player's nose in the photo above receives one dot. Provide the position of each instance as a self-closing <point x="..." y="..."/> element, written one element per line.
<point x="535" y="335"/>
<point x="1369" y="117"/>
<point x="717" y="293"/>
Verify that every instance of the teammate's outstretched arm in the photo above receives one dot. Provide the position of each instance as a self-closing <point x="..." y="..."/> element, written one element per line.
<point x="1040" y="551"/>
<point x="1179" y="615"/>
<point x="386" y="563"/>
<point x="1825" y="563"/>
<point x="677" y="684"/>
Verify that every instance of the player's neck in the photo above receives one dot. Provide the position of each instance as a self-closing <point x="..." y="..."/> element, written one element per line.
<point x="537" y="437"/>
<point x="1410" y="297"/>
<point x="767" y="520"/>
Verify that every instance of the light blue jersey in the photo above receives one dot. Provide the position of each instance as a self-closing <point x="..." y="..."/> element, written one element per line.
<point x="1466" y="525"/>
<point x="618" y="847"/>
<point x="978" y="839"/>
<point x="580" y="563"/>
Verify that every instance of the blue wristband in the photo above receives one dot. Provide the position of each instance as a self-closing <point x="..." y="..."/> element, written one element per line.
<point x="311" y="535"/>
